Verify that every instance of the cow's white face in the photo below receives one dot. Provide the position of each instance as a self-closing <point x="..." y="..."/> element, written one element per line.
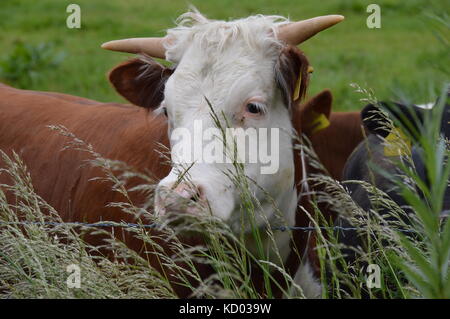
<point x="233" y="66"/>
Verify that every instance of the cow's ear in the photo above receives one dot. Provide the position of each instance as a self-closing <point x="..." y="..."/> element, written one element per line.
<point x="379" y="118"/>
<point x="374" y="120"/>
<point x="292" y="74"/>
<point x="315" y="112"/>
<point x="141" y="81"/>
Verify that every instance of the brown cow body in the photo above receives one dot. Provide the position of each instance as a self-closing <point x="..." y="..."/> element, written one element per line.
<point x="63" y="178"/>
<point x="128" y="133"/>
<point x="120" y="132"/>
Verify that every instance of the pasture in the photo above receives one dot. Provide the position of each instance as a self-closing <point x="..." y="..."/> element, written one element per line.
<point x="406" y="58"/>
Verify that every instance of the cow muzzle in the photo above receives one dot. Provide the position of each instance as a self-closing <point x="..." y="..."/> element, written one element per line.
<point x="180" y="198"/>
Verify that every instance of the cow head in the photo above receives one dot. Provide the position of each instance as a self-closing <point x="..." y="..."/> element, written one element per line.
<point x="245" y="74"/>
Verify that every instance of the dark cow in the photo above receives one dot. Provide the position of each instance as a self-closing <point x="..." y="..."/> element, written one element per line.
<point x="375" y="159"/>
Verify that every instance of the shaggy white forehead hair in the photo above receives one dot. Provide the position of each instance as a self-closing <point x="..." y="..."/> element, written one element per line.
<point x="213" y="36"/>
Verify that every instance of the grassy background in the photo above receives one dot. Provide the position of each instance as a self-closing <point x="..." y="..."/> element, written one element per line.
<point x="403" y="56"/>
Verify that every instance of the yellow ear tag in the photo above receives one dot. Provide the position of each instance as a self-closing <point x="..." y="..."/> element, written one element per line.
<point x="319" y="122"/>
<point x="297" y="88"/>
<point x="299" y="81"/>
<point x="398" y="144"/>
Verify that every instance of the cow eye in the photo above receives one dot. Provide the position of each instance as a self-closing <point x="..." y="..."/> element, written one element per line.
<point x="254" y="108"/>
<point x="165" y="111"/>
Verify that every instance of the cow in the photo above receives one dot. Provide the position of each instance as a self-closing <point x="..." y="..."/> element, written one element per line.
<point x="249" y="70"/>
<point x="393" y="131"/>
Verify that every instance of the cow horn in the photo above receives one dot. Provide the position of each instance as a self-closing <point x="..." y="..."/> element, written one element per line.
<point x="297" y="32"/>
<point x="151" y="46"/>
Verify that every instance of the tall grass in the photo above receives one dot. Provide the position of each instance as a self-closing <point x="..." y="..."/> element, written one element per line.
<point x="34" y="255"/>
<point x="37" y="246"/>
<point x="410" y="244"/>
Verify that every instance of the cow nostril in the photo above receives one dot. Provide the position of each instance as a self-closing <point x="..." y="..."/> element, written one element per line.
<point x="192" y="193"/>
<point x="197" y="195"/>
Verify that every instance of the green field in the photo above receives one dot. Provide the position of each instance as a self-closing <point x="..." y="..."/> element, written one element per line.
<point x="409" y="54"/>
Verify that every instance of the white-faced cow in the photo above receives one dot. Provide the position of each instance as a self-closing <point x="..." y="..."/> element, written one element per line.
<point x="247" y="71"/>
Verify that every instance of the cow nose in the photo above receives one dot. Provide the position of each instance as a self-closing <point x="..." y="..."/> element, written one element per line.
<point x="192" y="192"/>
<point x="180" y="198"/>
